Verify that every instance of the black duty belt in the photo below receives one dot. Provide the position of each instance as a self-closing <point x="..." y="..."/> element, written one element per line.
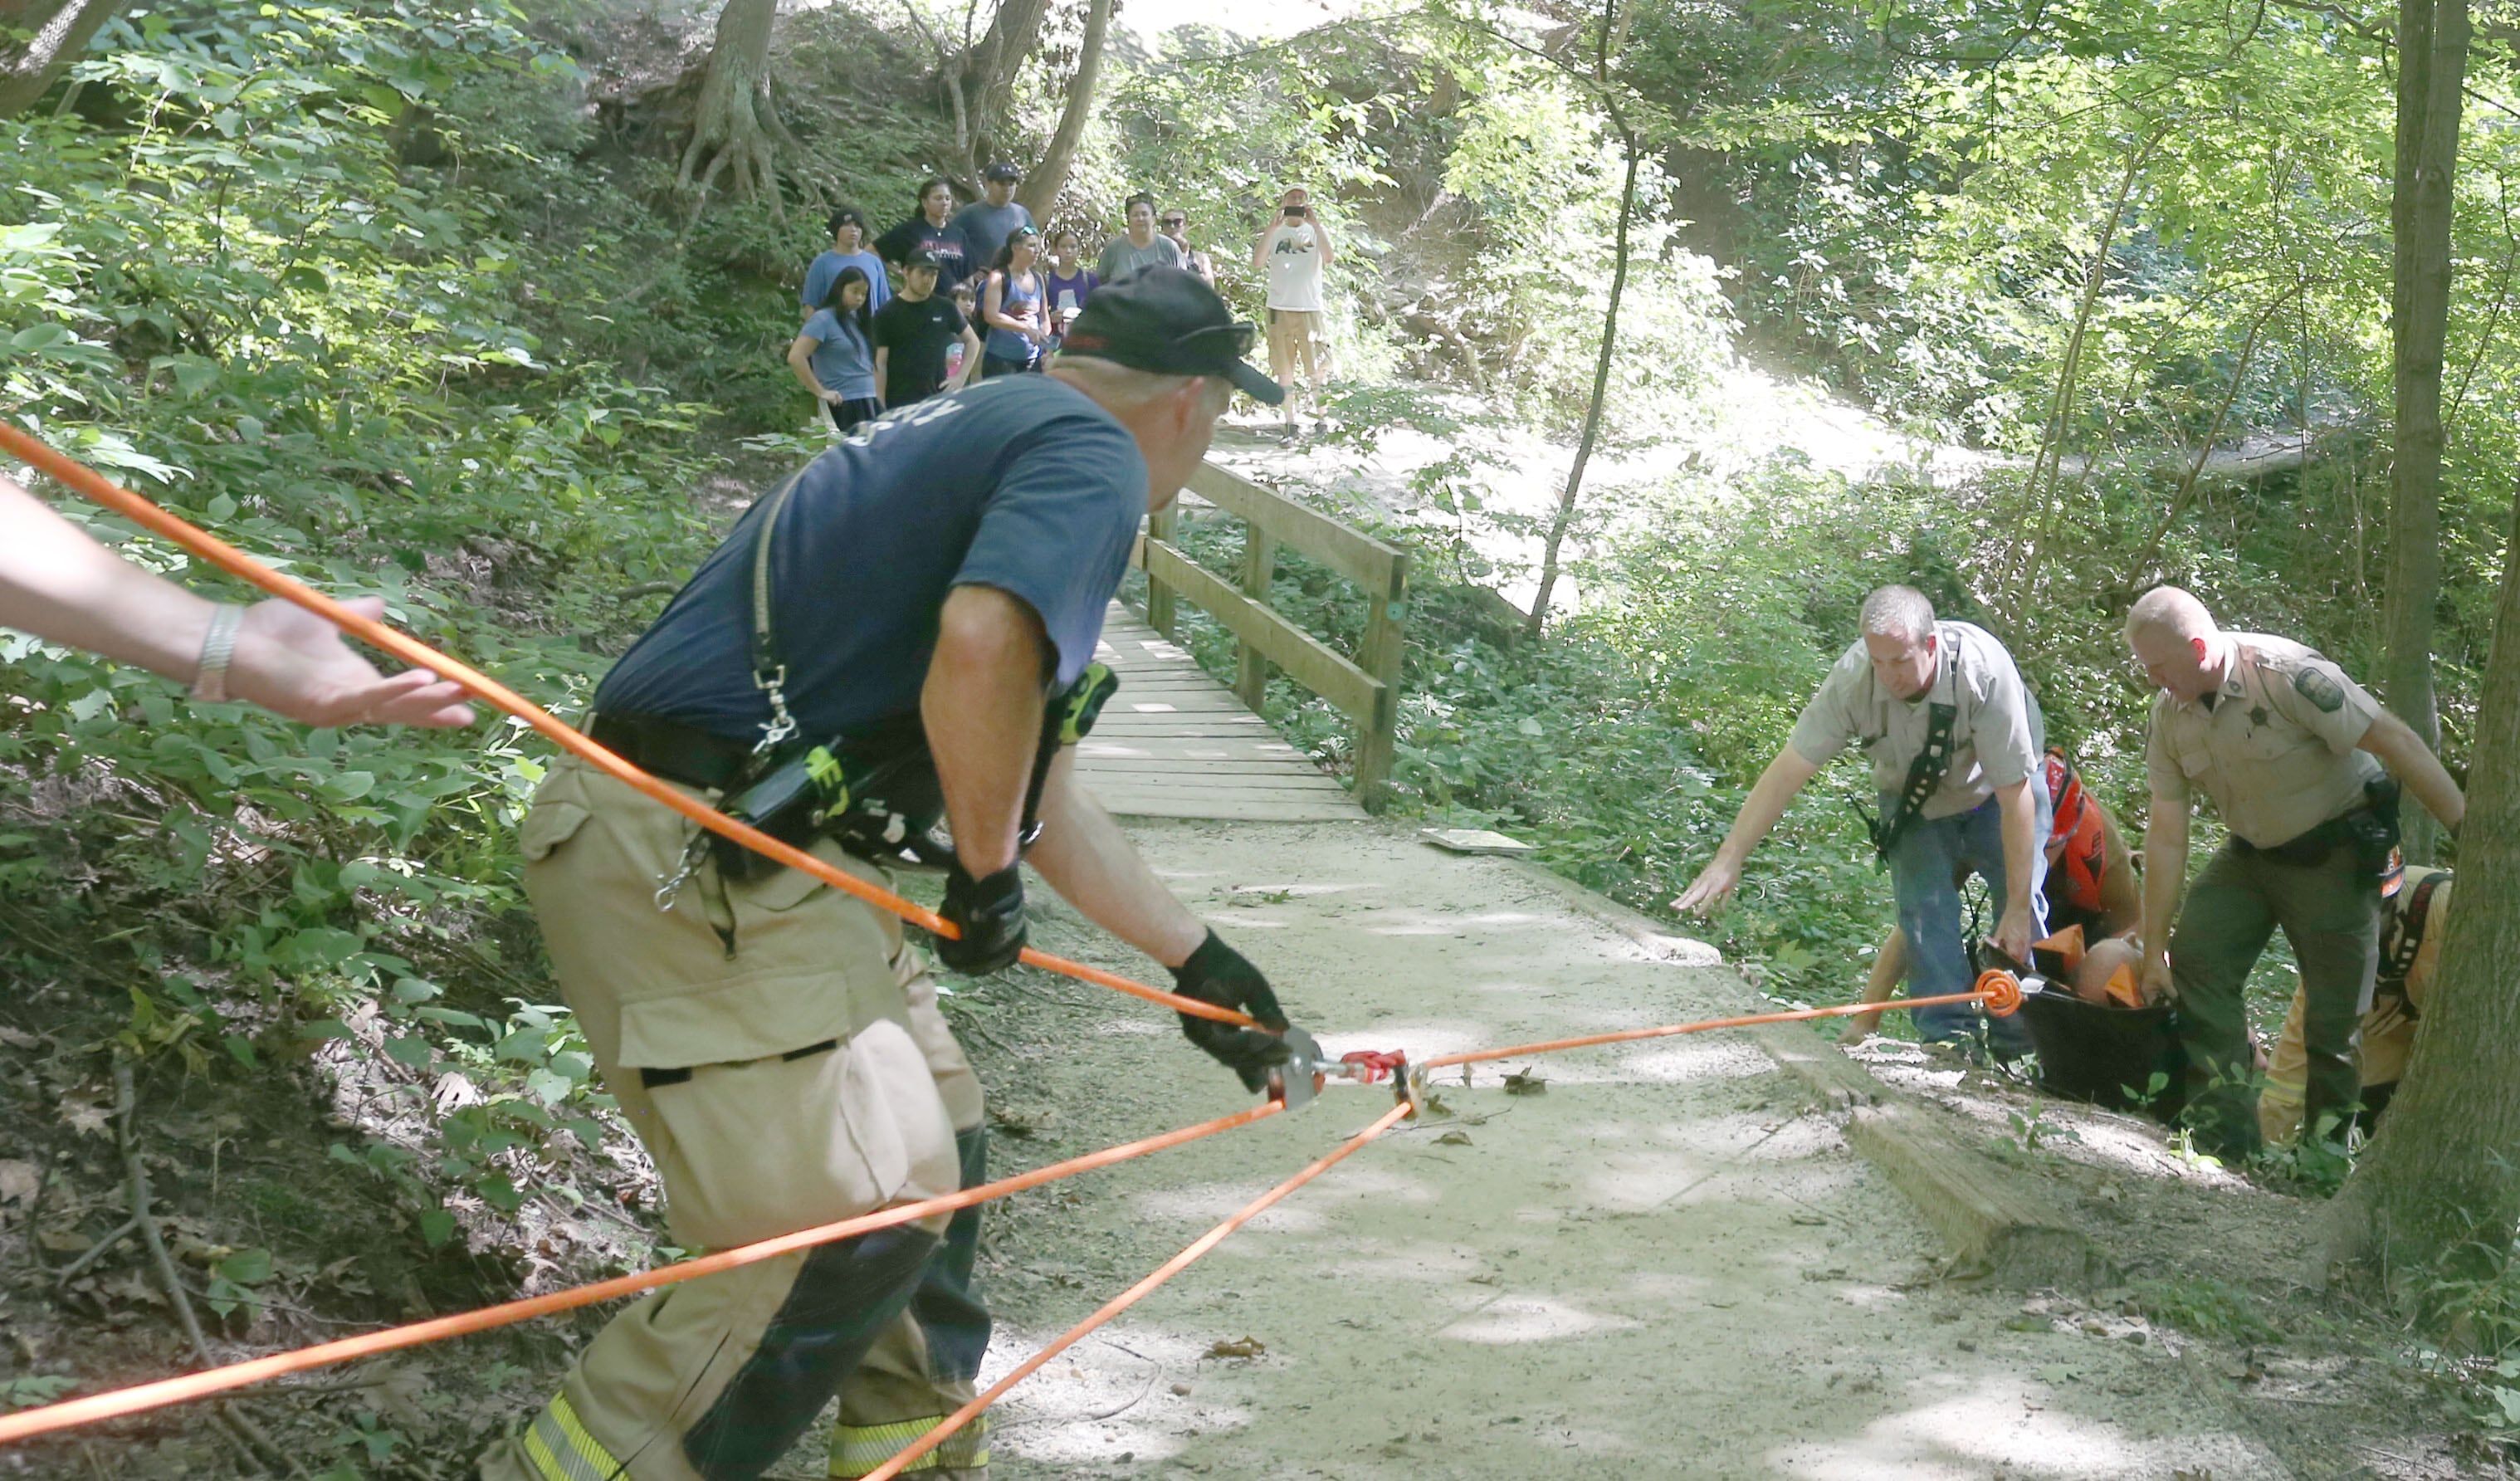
<point x="673" y="750"/>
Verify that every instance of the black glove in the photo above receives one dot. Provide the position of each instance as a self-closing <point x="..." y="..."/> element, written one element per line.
<point x="990" y="915"/>
<point x="1217" y="973"/>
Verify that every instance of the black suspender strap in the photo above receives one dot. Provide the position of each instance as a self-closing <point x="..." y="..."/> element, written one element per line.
<point x="1924" y="773"/>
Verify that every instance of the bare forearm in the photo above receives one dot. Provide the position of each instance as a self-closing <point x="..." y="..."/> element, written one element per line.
<point x="1084" y="856"/>
<point x="2165" y="873"/>
<point x="804" y="369"/>
<point x="981" y="705"/>
<point x="63" y="586"/>
<point x="2413" y="763"/>
<point x="2020" y="842"/>
<point x="1767" y="802"/>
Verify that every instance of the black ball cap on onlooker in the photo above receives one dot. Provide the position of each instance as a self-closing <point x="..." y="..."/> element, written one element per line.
<point x="919" y="257"/>
<point x="1167" y="321"/>
<point x="1002" y="170"/>
<point x="846" y="216"/>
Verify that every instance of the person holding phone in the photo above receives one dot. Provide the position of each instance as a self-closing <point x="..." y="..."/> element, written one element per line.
<point x="1292" y="251"/>
<point x="1068" y="282"/>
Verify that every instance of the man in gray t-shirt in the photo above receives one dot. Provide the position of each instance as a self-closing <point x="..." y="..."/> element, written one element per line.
<point x="1986" y="814"/>
<point x="987" y="223"/>
<point x="1141" y="249"/>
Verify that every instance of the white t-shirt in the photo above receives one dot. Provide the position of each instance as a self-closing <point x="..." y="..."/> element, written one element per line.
<point x="1294" y="268"/>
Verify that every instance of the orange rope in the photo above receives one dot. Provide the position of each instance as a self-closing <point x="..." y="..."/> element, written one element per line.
<point x="29" y="1423"/>
<point x="1999" y="991"/>
<point x="235" y="563"/>
<point x="944" y="1431"/>
<point x="2002" y="997"/>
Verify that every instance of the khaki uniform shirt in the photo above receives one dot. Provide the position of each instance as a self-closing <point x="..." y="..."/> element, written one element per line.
<point x="2276" y="750"/>
<point x="1996" y="737"/>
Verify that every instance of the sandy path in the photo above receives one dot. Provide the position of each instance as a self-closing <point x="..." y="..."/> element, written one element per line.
<point x="1666" y="1265"/>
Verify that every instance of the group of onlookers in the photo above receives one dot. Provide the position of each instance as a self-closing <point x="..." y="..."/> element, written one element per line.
<point x="978" y="296"/>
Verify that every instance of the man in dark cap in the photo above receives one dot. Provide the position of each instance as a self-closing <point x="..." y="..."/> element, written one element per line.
<point x="920" y="605"/>
<point x="986" y="223"/>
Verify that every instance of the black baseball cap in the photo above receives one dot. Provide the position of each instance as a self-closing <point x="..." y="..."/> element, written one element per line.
<point x="1002" y="170"/>
<point x="1169" y="322"/>
<point x="920" y="257"/>
<point x="846" y="216"/>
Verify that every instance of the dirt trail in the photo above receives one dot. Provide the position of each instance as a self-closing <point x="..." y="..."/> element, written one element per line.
<point x="1667" y="1264"/>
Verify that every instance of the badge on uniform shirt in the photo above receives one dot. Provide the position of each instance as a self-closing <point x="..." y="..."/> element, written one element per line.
<point x="2320" y="689"/>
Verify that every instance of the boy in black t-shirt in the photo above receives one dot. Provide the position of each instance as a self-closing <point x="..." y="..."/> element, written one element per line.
<point x="914" y="331"/>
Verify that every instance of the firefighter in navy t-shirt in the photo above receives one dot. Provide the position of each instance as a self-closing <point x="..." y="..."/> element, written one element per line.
<point x="933" y="583"/>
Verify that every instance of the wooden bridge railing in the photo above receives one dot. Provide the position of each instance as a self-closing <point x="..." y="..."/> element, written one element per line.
<point x="1367" y="689"/>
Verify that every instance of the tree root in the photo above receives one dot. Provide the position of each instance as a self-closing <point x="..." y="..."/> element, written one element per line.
<point x="239" y="1427"/>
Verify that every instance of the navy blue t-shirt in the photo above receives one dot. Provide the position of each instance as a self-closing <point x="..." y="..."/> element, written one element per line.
<point x="1022" y="483"/>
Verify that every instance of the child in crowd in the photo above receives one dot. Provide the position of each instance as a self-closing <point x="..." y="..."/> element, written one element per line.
<point x="833" y="355"/>
<point x="848" y="249"/>
<point x="917" y="336"/>
<point x="1012" y="307"/>
<point x="1067" y="283"/>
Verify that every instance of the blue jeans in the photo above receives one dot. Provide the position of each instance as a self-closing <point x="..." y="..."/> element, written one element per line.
<point x="1926" y="869"/>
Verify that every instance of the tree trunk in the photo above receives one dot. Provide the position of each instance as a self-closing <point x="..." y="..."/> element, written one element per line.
<point x="2437" y="1191"/>
<point x="1041" y="187"/>
<point x="1565" y="517"/>
<point x="57" y="33"/>
<point x="2432" y="68"/>
<point x="988" y="71"/>
<point x="737" y="124"/>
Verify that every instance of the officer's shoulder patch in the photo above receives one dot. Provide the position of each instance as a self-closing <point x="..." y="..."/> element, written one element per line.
<point x="2313" y="683"/>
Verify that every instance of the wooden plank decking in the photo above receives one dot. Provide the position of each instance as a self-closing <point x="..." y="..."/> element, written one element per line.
<point x="1176" y="744"/>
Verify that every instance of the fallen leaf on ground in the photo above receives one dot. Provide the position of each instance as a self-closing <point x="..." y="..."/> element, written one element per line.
<point x="1525" y="1083"/>
<point x="84" y="1117"/>
<point x="19" y="1038"/>
<point x="18" y="1181"/>
<point x="1453" y="1139"/>
<point x="1248" y="1347"/>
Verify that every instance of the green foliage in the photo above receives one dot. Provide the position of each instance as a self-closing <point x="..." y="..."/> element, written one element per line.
<point x="357" y="367"/>
<point x="2204" y="1307"/>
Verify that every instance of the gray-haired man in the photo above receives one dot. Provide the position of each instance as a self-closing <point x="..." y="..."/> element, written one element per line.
<point x="1954" y="741"/>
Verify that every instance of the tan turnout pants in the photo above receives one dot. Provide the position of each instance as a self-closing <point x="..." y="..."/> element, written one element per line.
<point x="778" y="1049"/>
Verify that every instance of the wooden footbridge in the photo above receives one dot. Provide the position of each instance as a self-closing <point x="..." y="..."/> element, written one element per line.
<point x="1175" y="743"/>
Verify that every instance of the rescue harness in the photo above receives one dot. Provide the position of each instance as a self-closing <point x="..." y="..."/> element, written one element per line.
<point x="874" y="791"/>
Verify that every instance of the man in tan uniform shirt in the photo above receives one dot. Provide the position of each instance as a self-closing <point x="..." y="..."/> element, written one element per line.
<point x="2296" y="757"/>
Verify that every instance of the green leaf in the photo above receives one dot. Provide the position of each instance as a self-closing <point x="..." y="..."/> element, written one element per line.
<point x="246" y="1266"/>
<point x="437" y="1226"/>
<point x="40" y="336"/>
<point x="413" y="1050"/>
<point x="349" y="787"/>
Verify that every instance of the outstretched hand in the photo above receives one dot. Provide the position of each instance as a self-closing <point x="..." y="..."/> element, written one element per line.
<point x="1713" y="886"/>
<point x="295" y="663"/>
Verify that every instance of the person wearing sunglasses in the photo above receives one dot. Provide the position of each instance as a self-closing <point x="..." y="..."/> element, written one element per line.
<point x="1013" y="308"/>
<point x="1174" y="223"/>
<point x="927" y="587"/>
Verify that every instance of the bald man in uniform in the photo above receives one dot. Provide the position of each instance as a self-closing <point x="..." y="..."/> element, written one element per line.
<point x="2298" y="759"/>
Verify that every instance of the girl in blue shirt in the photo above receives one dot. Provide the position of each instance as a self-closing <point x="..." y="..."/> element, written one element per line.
<point x="1012" y="307"/>
<point x="835" y="353"/>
